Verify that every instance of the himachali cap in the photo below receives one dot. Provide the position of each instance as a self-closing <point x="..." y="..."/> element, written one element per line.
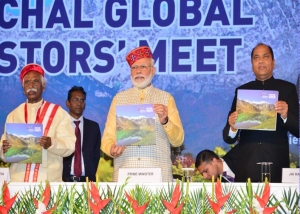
<point x="31" y="67"/>
<point x="138" y="53"/>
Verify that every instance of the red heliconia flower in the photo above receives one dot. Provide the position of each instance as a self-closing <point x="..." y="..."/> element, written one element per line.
<point x="46" y="199"/>
<point x="216" y="207"/>
<point x="99" y="204"/>
<point x="263" y="201"/>
<point x="171" y="206"/>
<point x="134" y="204"/>
<point x="7" y="201"/>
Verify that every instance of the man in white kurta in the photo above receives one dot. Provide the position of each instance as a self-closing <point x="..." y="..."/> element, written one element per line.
<point x="59" y="137"/>
<point x="169" y="129"/>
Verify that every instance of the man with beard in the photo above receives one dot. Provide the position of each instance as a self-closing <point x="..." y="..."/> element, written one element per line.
<point x="169" y="129"/>
<point x="58" y="138"/>
<point x="84" y="161"/>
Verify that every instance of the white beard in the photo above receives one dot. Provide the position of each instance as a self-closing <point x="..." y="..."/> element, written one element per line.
<point x="143" y="84"/>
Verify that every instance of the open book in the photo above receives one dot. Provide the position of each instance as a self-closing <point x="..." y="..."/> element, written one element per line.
<point x="256" y="109"/>
<point x="23" y="138"/>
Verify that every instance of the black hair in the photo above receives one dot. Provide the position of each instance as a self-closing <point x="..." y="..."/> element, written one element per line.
<point x="268" y="46"/>
<point x="205" y="156"/>
<point x="76" y="88"/>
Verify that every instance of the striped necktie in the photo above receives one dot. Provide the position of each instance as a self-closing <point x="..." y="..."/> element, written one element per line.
<point x="228" y="178"/>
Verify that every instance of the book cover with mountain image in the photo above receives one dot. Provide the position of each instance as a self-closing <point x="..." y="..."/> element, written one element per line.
<point x="135" y="125"/>
<point x="23" y="138"/>
<point x="256" y="109"/>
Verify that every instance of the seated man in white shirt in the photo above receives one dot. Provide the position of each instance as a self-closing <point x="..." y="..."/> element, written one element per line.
<point x="209" y="164"/>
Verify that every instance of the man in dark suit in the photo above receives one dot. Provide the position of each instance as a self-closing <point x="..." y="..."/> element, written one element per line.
<point x="210" y="165"/>
<point x="84" y="161"/>
<point x="258" y="145"/>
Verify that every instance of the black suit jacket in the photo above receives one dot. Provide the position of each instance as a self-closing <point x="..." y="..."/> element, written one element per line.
<point x="265" y="146"/>
<point x="231" y="158"/>
<point x="90" y="150"/>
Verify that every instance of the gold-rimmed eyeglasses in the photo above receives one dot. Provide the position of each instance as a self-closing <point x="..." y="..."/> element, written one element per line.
<point x="140" y="67"/>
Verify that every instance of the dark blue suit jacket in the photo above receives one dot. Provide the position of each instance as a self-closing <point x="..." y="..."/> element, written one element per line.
<point x="90" y="150"/>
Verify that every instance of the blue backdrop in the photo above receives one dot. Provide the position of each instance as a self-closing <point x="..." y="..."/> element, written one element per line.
<point x="202" y="52"/>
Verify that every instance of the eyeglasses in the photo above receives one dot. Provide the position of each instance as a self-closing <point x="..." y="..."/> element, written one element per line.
<point x="76" y="100"/>
<point x="140" y="67"/>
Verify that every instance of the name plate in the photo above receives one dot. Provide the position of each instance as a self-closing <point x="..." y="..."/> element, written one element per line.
<point x="290" y="175"/>
<point x="140" y="175"/>
<point x="4" y="175"/>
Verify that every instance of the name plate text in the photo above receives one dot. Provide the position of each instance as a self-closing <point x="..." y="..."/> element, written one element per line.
<point x="140" y="175"/>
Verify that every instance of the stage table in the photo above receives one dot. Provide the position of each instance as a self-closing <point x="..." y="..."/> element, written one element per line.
<point x="277" y="189"/>
<point x="238" y="190"/>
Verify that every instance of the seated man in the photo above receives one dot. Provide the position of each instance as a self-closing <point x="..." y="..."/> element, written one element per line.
<point x="210" y="165"/>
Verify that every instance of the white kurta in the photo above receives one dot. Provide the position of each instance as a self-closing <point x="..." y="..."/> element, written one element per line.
<point x="62" y="139"/>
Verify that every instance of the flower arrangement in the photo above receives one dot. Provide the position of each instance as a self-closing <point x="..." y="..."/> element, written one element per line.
<point x="98" y="204"/>
<point x="175" y="199"/>
<point x="173" y="206"/>
<point x="6" y="200"/>
<point x="41" y="204"/>
<point x="259" y="204"/>
<point x="221" y="199"/>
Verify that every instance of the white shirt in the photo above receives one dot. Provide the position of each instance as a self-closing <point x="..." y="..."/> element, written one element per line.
<point x="227" y="169"/>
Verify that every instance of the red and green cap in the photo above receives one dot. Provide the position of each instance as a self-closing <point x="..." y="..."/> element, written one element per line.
<point x="138" y="53"/>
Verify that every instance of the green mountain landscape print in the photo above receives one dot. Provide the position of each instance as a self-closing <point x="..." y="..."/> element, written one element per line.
<point x="23" y="139"/>
<point x="256" y="109"/>
<point x="135" y="125"/>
